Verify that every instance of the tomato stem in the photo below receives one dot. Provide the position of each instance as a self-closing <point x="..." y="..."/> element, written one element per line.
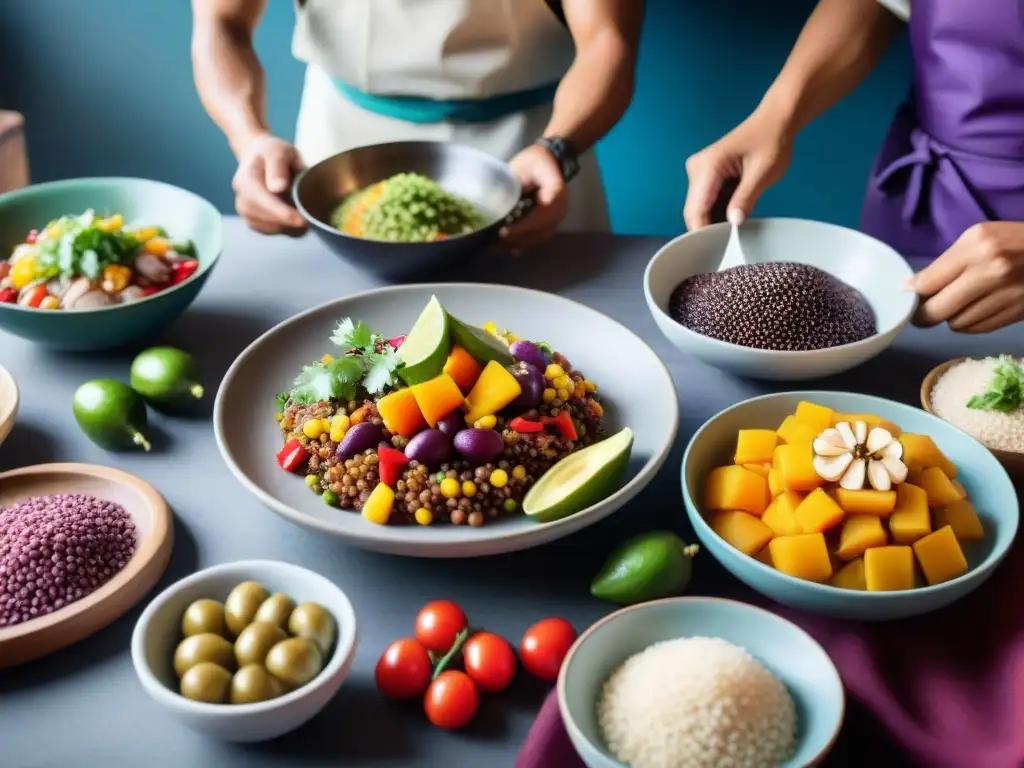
<point x="460" y="640"/>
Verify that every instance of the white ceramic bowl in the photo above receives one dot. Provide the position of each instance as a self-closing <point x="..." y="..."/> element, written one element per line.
<point x="8" y="403"/>
<point x="157" y="633"/>
<point x="870" y="266"/>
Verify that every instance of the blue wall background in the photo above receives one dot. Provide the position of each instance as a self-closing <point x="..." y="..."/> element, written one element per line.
<point x="106" y="89"/>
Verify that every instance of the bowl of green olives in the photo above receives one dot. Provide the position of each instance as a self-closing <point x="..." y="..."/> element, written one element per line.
<point x="246" y="651"/>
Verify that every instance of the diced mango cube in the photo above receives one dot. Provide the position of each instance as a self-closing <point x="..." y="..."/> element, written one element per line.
<point x="921" y="452"/>
<point x="775" y="483"/>
<point x="869" y="419"/>
<point x="817" y="417"/>
<point x="941" y="491"/>
<point x="760" y="469"/>
<point x="804" y="556"/>
<point x="888" y="569"/>
<point x="755" y="446"/>
<point x="792" y="431"/>
<point x="910" y="520"/>
<point x="743" y="531"/>
<point x="851" y="576"/>
<point x="940" y="556"/>
<point x="878" y="503"/>
<point x="818" y="512"/>
<point x="780" y="515"/>
<point x="961" y="517"/>
<point x="860" y="532"/>
<point x="765" y="556"/>
<point x="734" y="487"/>
<point x="796" y="463"/>
<point x="959" y="487"/>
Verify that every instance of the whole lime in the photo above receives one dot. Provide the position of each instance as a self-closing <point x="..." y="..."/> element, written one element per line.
<point x="647" y="567"/>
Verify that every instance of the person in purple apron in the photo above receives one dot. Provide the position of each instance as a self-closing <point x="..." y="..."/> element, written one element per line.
<point x="533" y="82"/>
<point x="948" y="183"/>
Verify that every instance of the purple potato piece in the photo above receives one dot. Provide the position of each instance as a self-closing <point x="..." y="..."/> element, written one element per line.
<point x="531" y="382"/>
<point x="479" y="446"/>
<point x="358" y="439"/>
<point x="431" y="447"/>
<point x="528" y="352"/>
<point x="452" y="423"/>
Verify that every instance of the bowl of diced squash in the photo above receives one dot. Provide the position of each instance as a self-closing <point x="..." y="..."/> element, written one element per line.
<point x="848" y="505"/>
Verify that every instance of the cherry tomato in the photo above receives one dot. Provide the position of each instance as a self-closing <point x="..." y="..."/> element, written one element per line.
<point x="451" y="700"/>
<point x="183" y="270"/>
<point x="544" y="647"/>
<point x="150" y="290"/>
<point x="403" y="670"/>
<point x="34" y="296"/>
<point x="32" y="236"/>
<point x="489" y="660"/>
<point x="8" y="295"/>
<point x="438" y="624"/>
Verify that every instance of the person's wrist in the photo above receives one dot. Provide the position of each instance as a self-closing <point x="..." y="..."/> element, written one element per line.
<point x="562" y="153"/>
<point x="243" y="140"/>
<point x="778" y="113"/>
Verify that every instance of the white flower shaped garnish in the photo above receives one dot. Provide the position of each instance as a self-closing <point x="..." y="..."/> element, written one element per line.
<point x="850" y="454"/>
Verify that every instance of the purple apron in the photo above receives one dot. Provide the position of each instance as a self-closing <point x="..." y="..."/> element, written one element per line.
<point x="954" y="156"/>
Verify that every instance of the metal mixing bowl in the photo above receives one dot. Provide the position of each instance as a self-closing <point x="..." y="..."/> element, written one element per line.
<point x="473" y="175"/>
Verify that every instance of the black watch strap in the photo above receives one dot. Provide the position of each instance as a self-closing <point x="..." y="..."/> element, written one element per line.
<point x="559" y="149"/>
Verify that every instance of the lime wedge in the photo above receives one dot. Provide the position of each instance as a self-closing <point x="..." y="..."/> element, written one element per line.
<point x="580" y="479"/>
<point x="426" y="347"/>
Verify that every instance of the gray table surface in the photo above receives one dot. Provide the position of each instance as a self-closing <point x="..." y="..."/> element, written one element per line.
<point x="84" y="707"/>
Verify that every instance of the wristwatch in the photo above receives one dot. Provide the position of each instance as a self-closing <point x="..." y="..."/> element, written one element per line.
<point x="564" y="156"/>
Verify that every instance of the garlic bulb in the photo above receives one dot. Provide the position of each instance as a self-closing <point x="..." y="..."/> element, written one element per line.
<point x="850" y="454"/>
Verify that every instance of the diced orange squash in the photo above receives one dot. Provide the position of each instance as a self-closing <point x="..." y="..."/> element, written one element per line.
<point x="959" y="487"/>
<point x="869" y="419"/>
<point x="780" y="515"/>
<point x="734" y="487"/>
<point x="921" y="452"/>
<point x="796" y="463"/>
<point x="910" y="520"/>
<point x="961" y="517"/>
<point x="495" y="389"/>
<point x="860" y="532"/>
<point x="817" y="417"/>
<point x="401" y="413"/>
<point x="743" y="531"/>
<point x="941" y="491"/>
<point x="804" y="556"/>
<point x="940" y="556"/>
<point x="775" y="483"/>
<point x="818" y="512"/>
<point x="793" y="431"/>
<point x="760" y="469"/>
<point x="888" y="569"/>
<point x="878" y="503"/>
<point x="755" y="446"/>
<point x="377" y="508"/>
<point x="463" y="368"/>
<point x="765" y="556"/>
<point x="851" y="576"/>
<point x="437" y="397"/>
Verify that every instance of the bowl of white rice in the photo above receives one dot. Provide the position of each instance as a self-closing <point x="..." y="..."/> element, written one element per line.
<point x="696" y="682"/>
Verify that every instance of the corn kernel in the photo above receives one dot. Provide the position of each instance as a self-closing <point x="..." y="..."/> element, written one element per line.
<point x="590" y="386"/>
<point x="23" y="272"/>
<point x="486" y="422"/>
<point x="561" y="382"/>
<point x="499" y="478"/>
<point x="339" y="426"/>
<point x="313" y="428"/>
<point x="51" y="232"/>
<point x="469" y="489"/>
<point x="116" y="278"/>
<point x="156" y="246"/>
<point x="327" y="359"/>
<point x="450" y="488"/>
<point x="553" y="371"/>
<point x="50" y="302"/>
<point x="598" y="410"/>
<point x="548" y="395"/>
<point x="562" y="394"/>
<point x="146" y="233"/>
<point x="491" y="328"/>
<point x="112" y="224"/>
<point x="519" y="472"/>
<point x="424" y="516"/>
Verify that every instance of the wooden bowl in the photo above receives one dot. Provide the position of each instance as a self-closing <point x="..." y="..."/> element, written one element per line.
<point x="8" y="403"/>
<point x="1012" y="461"/>
<point x="34" y="639"/>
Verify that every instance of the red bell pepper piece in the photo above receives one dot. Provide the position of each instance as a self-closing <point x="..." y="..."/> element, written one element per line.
<point x="8" y="295"/>
<point x="525" y="426"/>
<point x="292" y="455"/>
<point x="396" y="342"/>
<point x="183" y="270"/>
<point x="32" y="236"/>
<point x="391" y="462"/>
<point x="563" y="423"/>
<point x="150" y="290"/>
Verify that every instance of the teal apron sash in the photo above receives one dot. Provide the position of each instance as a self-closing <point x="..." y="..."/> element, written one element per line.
<point x="414" y="109"/>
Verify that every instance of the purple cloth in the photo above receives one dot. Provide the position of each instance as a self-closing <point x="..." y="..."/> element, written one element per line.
<point x="954" y="156"/>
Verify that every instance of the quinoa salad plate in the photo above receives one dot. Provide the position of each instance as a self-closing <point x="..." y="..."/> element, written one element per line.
<point x="446" y="420"/>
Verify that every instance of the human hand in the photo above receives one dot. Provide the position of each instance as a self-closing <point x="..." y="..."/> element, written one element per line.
<point x="541" y="177"/>
<point x="976" y="286"/>
<point x="266" y="168"/>
<point x="754" y="155"/>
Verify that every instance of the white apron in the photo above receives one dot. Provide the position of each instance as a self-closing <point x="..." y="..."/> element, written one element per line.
<point x="437" y="49"/>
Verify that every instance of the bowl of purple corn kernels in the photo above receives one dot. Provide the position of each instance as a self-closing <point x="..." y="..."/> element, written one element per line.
<point x="806" y="300"/>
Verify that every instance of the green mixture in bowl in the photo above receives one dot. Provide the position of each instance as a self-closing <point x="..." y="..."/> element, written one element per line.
<point x="406" y="208"/>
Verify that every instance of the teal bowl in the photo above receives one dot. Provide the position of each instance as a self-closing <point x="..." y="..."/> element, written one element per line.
<point x="183" y="214"/>
<point x="786" y="650"/>
<point x="983" y="477"/>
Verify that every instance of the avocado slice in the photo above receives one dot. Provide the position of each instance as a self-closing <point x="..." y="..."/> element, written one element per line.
<point x="580" y="479"/>
<point x="483" y="346"/>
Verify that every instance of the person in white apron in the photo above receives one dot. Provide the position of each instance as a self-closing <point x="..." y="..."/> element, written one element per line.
<point x="534" y="82"/>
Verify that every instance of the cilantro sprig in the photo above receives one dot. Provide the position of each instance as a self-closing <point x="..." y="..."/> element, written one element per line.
<point x="1005" y="391"/>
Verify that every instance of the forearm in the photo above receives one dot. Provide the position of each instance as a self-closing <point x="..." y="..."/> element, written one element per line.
<point x="228" y="75"/>
<point x="839" y="46"/>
